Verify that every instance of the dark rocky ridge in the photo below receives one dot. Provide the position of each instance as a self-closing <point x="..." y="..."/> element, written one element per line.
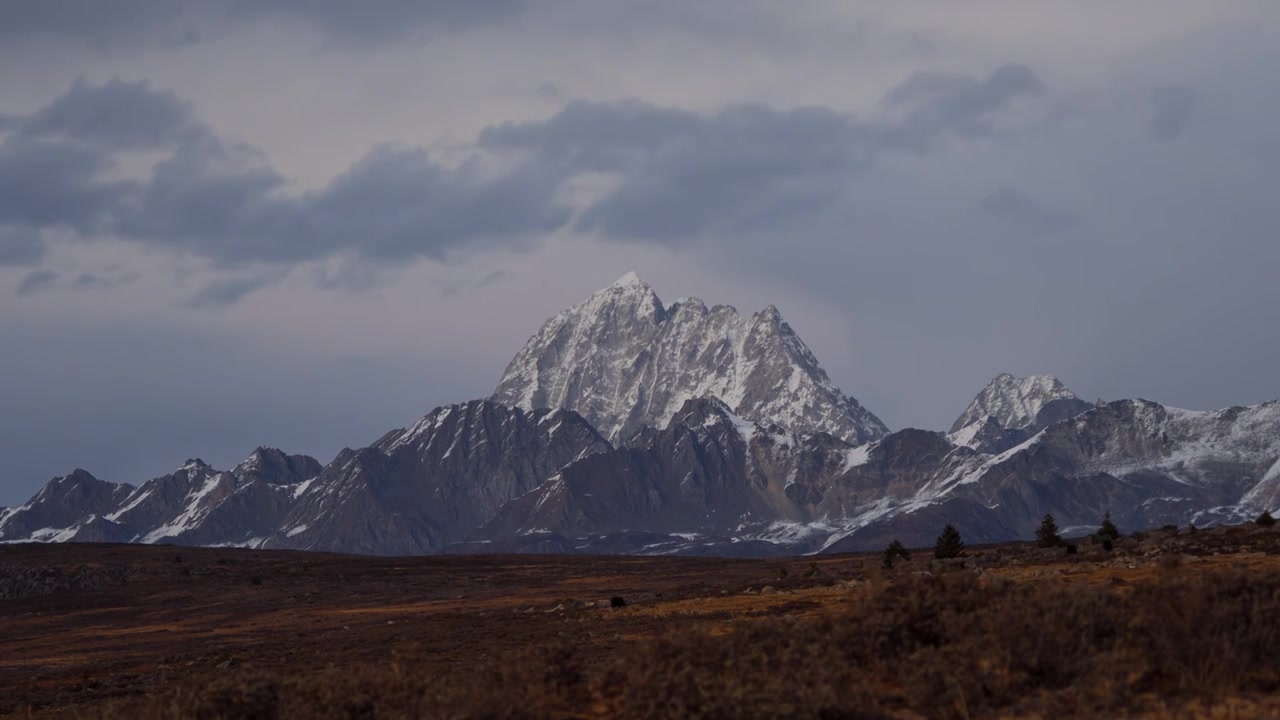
<point x="418" y="490"/>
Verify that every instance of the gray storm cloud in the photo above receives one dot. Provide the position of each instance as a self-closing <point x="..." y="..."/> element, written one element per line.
<point x="683" y="174"/>
<point x="747" y="165"/>
<point x="126" y="25"/>
<point x="220" y="200"/>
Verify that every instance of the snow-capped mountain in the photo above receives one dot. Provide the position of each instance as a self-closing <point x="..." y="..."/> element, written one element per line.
<point x="193" y="505"/>
<point x="713" y="481"/>
<point x="414" y="491"/>
<point x="693" y="430"/>
<point x="624" y="361"/>
<point x="1027" y="403"/>
<point x="67" y="508"/>
<point x="482" y="477"/>
<point x="1146" y="463"/>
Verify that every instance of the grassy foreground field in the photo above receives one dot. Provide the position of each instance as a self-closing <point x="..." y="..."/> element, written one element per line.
<point x="1170" y="624"/>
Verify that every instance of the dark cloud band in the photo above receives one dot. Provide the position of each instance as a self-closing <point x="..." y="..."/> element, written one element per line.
<point x="126" y="25"/>
<point x="683" y="174"/>
<point x="223" y="201"/>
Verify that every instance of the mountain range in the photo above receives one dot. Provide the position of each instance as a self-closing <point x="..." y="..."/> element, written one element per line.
<point x="628" y="426"/>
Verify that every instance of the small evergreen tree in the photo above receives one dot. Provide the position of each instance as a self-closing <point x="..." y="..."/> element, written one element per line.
<point x="949" y="544"/>
<point x="1047" y="534"/>
<point x="1265" y="519"/>
<point x="893" y="552"/>
<point x="1108" y="531"/>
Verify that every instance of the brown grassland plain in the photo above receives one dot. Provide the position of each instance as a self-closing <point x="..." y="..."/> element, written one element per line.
<point x="1170" y="623"/>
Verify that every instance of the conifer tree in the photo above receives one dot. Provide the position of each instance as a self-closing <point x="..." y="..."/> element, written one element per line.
<point x="1265" y="519"/>
<point x="1047" y="534"/>
<point x="949" y="544"/>
<point x="1108" y="531"/>
<point x="895" y="550"/>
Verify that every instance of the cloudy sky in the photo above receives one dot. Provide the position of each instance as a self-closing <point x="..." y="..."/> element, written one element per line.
<point x="238" y="222"/>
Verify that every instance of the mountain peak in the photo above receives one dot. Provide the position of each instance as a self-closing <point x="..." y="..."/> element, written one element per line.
<point x="77" y="476"/>
<point x="628" y="295"/>
<point x="631" y="279"/>
<point x="622" y="360"/>
<point x="770" y="314"/>
<point x="1017" y="403"/>
<point x="260" y="456"/>
<point x="1034" y="379"/>
<point x="276" y="467"/>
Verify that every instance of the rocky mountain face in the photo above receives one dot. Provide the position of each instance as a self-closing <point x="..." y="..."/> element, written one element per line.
<point x="627" y="426"/>
<point x="713" y="479"/>
<point x="987" y="435"/>
<point x="193" y="505"/>
<point x="708" y="473"/>
<point x="273" y="467"/>
<point x="419" y="489"/>
<point x="63" y="509"/>
<point x="1148" y="464"/>
<point x="1030" y="403"/>
<point x="624" y="361"/>
<point x="414" y="491"/>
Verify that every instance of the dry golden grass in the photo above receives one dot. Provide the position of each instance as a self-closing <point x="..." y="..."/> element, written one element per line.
<point x="1178" y="625"/>
<point x="955" y="646"/>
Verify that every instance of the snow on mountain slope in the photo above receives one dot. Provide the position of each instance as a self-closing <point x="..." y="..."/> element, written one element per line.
<point x="418" y="489"/>
<point x="1266" y="494"/>
<point x="275" y="467"/>
<point x="1017" y="403"/>
<point x="986" y="435"/>
<point x="1190" y="445"/>
<point x="63" y="503"/>
<point x="708" y="472"/>
<point x="193" y="505"/>
<point x="623" y="360"/>
<point x="728" y="438"/>
<point x="711" y="481"/>
<point x="1146" y="463"/>
<point x="200" y="485"/>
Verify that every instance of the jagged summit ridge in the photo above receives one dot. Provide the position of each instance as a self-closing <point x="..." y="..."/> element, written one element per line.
<point x="275" y="467"/>
<point x="624" y="360"/>
<point x="1019" y="403"/>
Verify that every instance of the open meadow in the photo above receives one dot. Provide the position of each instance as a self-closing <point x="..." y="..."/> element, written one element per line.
<point x="1166" y="624"/>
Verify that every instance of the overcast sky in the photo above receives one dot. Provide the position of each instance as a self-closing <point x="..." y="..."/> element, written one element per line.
<point x="238" y="222"/>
